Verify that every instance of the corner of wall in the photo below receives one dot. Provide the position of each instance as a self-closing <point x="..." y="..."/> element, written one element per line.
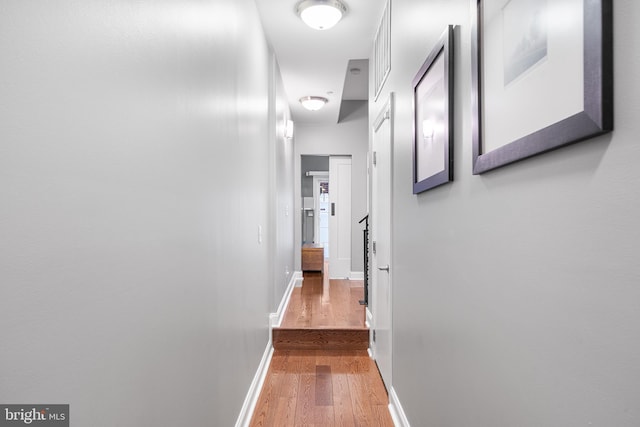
<point x="397" y="413"/>
<point x="244" y="418"/>
<point x="249" y="405"/>
<point x="276" y="318"/>
<point x="356" y="275"/>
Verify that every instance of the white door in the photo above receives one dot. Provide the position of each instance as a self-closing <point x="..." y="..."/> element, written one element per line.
<point x="381" y="271"/>
<point x="339" y="217"/>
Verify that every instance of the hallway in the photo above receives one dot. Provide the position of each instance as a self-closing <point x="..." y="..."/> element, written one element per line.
<point x="151" y="158"/>
<point x="317" y="378"/>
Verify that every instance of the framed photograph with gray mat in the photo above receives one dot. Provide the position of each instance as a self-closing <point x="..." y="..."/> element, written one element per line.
<point x="433" y="117"/>
<point x="542" y="77"/>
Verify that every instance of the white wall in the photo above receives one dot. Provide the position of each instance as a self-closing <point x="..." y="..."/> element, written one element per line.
<point x="516" y="293"/>
<point x="348" y="137"/>
<point x="283" y="202"/>
<point x="133" y="180"/>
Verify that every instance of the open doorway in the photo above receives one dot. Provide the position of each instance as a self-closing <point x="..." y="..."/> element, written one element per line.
<point x="321" y="205"/>
<point x="326" y="209"/>
<point x="314" y="171"/>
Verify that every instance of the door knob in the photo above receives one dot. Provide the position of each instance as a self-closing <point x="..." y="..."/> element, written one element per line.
<point x="385" y="268"/>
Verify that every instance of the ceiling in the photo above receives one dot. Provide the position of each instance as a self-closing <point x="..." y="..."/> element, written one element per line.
<point x="317" y="63"/>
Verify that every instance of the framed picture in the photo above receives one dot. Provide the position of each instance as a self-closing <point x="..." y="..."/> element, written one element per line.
<point x="542" y="77"/>
<point x="433" y="117"/>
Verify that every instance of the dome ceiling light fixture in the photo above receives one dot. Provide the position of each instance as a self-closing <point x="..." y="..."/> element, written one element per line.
<point x="321" y="14"/>
<point x="313" y="103"/>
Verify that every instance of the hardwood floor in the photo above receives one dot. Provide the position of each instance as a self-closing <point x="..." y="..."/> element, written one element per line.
<point x="321" y="373"/>
<point x="322" y="388"/>
<point x="319" y="339"/>
<point x="323" y="303"/>
<point x="324" y="314"/>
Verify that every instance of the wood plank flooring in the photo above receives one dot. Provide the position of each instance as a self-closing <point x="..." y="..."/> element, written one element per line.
<point x="323" y="303"/>
<point x="322" y="388"/>
<point x="324" y="314"/>
<point x="319" y="339"/>
<point x="321" y="373"/>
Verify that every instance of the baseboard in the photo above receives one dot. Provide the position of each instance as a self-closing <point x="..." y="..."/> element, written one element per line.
<point x="251" y="400"/>
<point x="397" y="413"/>
<point x="276" y="318"/>
<point x="298" y="278"/>
<point x="356" y="275"/>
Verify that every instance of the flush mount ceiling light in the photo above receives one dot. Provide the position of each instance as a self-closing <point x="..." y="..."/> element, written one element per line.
<point x="313" y="103"/>
<point x="321" y="14"/>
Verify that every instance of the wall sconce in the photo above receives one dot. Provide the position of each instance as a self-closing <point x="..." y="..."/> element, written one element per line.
<point x="288" y="128"/>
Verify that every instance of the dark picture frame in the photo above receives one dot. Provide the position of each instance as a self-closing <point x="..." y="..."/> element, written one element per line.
<point x="433" y="117"/>
<point x="594" y="115"/>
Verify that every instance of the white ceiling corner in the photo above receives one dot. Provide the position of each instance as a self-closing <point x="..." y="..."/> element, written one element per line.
<point x="316" y="62"/>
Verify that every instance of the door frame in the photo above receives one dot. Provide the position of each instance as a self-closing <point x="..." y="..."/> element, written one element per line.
<point x="386" y="113"/>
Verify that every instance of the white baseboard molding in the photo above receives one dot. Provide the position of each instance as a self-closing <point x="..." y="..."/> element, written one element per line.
<point x="251" y="400"/>
<point x="356" y="275"/>
<point x="299" y="278"/>
<point x="397" y="413"/>
<point x="275" y="319"/>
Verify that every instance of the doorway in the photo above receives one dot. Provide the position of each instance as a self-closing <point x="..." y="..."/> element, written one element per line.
<point x="321" y="206"/>
<point x="326" y="209"/>
<point x="381" y="265"/>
